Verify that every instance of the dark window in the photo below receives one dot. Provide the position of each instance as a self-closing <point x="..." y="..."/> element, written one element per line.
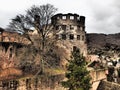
<point x="83" y="38"/>
<point x="63" y="27"/>
<point x="28" y="84"/>
<point x="71" y="27"/>
<point x="78" y="37"/>
<point x="11" y="52"/>
<point x="57" y="27"/>
<point x="57" y="37"/>
<point x="75" y="48"/>
<point x="71" y="36"/>
<point x="63" y="36"/>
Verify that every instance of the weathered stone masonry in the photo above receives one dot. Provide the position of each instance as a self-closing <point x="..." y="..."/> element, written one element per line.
<point x="71" y="31"/>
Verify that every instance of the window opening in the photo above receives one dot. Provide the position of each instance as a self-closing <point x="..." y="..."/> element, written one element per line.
<point x="63" y="36"/>
<point x="71" y="36"/>
<point x="83" y="38"/>
<point x="78" y="37"/>
<point x="63" y="27"/>
<point x="64" y="17"/>
<point x="71" y="17"/>
<point x="71" y="27"/>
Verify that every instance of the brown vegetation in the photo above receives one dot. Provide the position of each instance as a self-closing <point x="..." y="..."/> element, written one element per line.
<point x="7" y="69"/>
<point x="103" y="42"/>
<point x="10" y="73"/>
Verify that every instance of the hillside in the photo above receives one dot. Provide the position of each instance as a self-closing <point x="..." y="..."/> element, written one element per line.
<point x="105" y="42"/>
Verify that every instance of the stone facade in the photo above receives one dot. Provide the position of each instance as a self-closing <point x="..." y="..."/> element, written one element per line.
<point x="70" y="33"/>
<point x="6" y="36"/>
<point x="105" y="85"/>
<point x="32" y="83"/>
<point x="70" y="30"/>
<point x="97" y="76"/>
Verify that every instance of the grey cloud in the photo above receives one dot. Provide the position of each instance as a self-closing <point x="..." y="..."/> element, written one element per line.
<point x="102" y="16"/>
<point x="116" y="4"/>
<point x="105" y="18"/>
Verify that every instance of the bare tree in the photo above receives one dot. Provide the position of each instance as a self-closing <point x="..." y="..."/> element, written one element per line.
<point x="38" y="18"/>
<point x="42" y="17"/>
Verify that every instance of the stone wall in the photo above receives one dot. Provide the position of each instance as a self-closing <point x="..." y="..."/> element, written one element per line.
<point x="105" y="85"/>
<point x="31" y="83"/>
<point x="97" y="76"/>
<point x="70" y="30"/>
<point x="13" y="37"/>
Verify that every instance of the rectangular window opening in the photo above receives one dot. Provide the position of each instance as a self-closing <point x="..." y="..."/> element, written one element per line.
<point x="78" y="37"/>
<point x="71" y="27"/>
<point x="83" y="38"/>
<point x="63" y="36"/>
<point x="63" y="17"/>
<point x="71" y="17"/>
<point x="58" y="17"/>
<point x="78" y="18"/>
<point x="63" y="27"/>
<point x="71" y="36"/>
<point x="57" y="37"/>
<point x="57" y="27"/>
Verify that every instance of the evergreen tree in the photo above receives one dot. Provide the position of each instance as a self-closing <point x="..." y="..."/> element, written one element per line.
<point x="78" y="77"/>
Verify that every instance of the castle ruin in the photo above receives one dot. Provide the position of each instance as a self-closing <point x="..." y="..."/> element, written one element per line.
<point x="70" y="34"/>
<point x="71" y="31"/>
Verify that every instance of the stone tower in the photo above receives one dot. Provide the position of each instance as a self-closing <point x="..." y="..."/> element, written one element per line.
<point x="71" y="31"/>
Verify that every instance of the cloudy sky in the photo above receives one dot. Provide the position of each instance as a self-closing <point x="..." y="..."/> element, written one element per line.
<point x="102" y="16"/>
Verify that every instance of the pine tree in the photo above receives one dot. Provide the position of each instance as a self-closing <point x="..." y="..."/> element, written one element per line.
<point x="78" y="77"/>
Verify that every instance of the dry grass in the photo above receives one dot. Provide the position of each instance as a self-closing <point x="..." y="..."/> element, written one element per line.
<point x="7" y="69"/>
<point x="10" y="73"/>
<point x="55" y="71"/>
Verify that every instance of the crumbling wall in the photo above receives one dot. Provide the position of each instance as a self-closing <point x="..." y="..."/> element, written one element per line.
<point x="31" y="83"/>
<point x="70" y="30"/>
<point x="105" y="85"/>
<point x="98" y="74"/>
<point x="6" y="36"/>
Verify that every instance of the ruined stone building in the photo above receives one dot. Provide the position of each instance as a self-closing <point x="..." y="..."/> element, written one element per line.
<point x="70" y="34"/>
<point x="6" y="36"/>
<point x="9" y="41"/>
<point x="70" y="31"/>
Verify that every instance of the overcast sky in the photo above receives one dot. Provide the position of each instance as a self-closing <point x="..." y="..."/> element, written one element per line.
<point x="102" y="16"/>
